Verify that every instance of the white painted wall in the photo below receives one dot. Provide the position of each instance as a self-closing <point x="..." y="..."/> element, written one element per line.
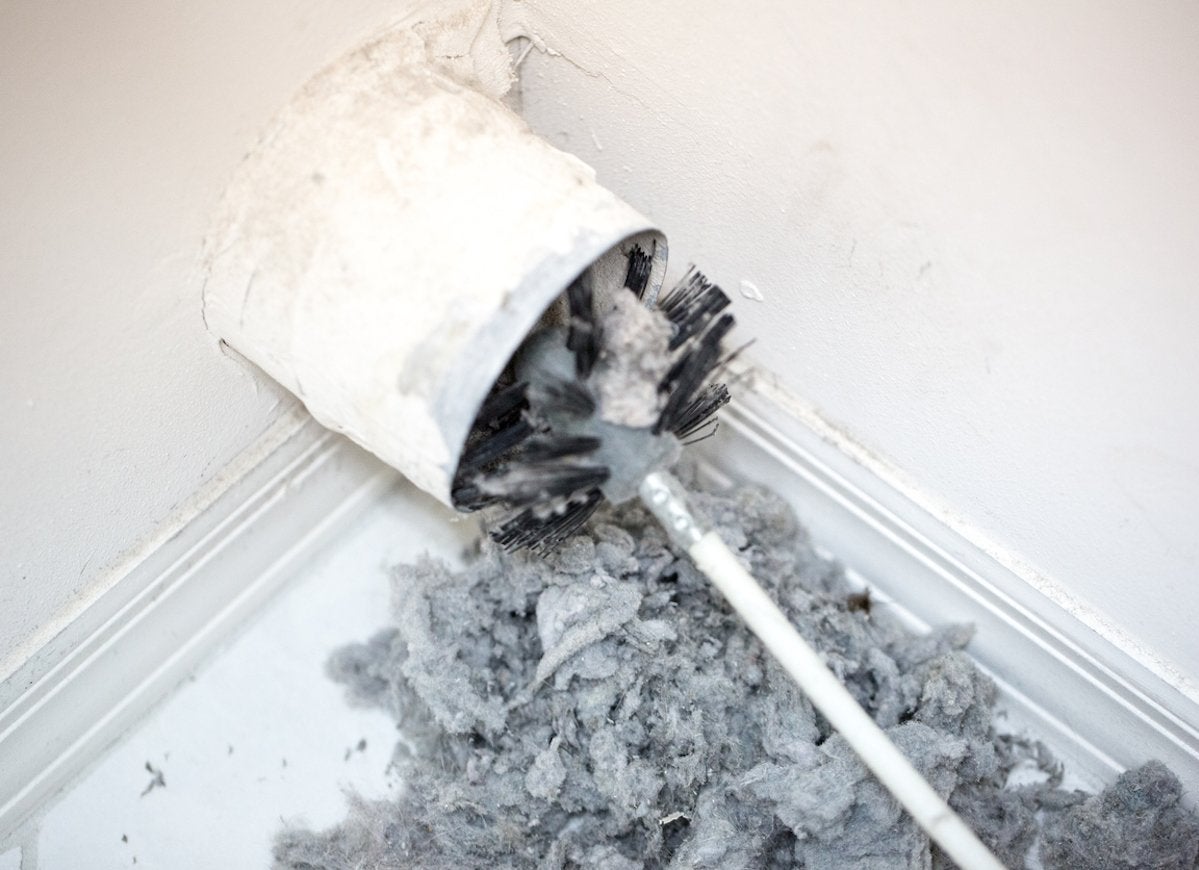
<point x="975" y="229"/>
<point x="120" y="124"/>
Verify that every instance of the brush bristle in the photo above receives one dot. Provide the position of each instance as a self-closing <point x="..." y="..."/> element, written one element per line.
<point x="637" y="276"/>
<point x="691" y="305"/>
<point x="584" y="335"/>
<point x="520" y="456"/>
<point x="541" y="532"/>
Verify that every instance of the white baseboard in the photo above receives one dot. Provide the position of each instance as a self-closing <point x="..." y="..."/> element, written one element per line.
<point x="1094" y="703"/>
<point x="150" y="628"/>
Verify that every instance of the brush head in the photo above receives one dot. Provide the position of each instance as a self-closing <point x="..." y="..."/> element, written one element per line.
<point x="588" y="409"/>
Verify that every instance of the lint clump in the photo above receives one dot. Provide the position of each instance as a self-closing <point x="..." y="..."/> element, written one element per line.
<point x="598" y="706"/>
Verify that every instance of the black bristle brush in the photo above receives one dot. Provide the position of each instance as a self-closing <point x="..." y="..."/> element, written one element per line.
<point x="537" y="445"/>
<point x="599" y="410"/>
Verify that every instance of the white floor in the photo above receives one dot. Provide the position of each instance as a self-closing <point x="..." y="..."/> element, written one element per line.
<point x="259" y="736"/>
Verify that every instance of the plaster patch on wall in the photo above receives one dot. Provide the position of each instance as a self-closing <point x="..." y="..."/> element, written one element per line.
<point x="464" y="38"/>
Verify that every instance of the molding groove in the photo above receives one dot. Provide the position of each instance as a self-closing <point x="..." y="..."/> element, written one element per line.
<point x="152" y="626"/>
<point x="1094" y="703"/>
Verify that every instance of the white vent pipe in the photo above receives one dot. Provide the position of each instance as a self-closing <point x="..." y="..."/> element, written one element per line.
<point x="390" y="242"/>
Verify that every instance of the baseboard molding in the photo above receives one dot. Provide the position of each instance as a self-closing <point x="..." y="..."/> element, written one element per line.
<point x="1094" y="703"/>
<point x="150" y="628"/>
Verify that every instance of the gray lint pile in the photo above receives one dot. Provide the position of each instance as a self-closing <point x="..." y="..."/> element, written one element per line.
<point x="600" y="707"/>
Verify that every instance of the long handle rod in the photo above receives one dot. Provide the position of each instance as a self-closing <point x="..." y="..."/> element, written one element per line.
<point x="666" y="499"/>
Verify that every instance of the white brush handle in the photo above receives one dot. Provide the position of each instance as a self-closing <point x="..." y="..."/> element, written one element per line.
<point x="663" y="495"/>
